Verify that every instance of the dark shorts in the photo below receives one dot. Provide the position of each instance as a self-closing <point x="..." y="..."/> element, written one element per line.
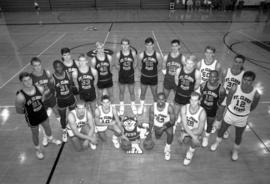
<point x="66" y="102"/>
<point x="35" y="121"/>
<point x="88" y="97"/>
<point x="169" y="83"/>
<point x="74" y="90"/>
<point x="152" y="81"/>
<point x="50" y="102"/>
<point x="105" y="84"/>
<point x="210" y="112"/>
<point x="126" y="79"/>
<point x="181" y="100"/>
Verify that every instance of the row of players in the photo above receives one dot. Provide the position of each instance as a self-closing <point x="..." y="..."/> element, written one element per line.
<point x="182" y="75"/>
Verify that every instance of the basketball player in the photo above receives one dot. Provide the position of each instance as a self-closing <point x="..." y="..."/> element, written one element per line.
<point x="208" y="64"/>
<point x="187" y="80"/>
<point x="102" y="62"/>
<point x="172" y="62"/>
<point x="126" y="60"/>
<point x="151" y="62"/>
<point x="213" y="93"/>
<point x="162" y="118"/>
<point x="64" y="96"/>
<point x="106" y="117"/>
<point x="29" y="101"/>
<point x="193" y="121"/>
<point x="81" y="127"/>
<point x="231" y="76"/>
<point x="241" y="100"/>
<point x="87" y="81"/>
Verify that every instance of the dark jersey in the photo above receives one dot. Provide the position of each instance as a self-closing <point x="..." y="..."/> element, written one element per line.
<point x="35" y="112"/>
<point x="172" y="65"/>
<point x="130" y="127"/>
<point x="86" y="81"/>
<point x="126" y="65"/>
<point x="149" y="65"/>
<point x="103" y="69"/>
<point x="72" y="68"/>
<point x="186" y="83"/>
<point x="43" y="81"/>
<point x="62" y="86"/>
<point x="210" y="100"/>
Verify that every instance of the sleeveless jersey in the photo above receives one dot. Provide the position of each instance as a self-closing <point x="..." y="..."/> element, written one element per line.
<point x="173" y="64"/>
<point x="186" y="83"/>
<point x="210" y="99"/>
<point x="193" y="119"/>
<point x="72" y="68"/>
<point x="205" y="70"/>
<point x="105" y="118"/>
<point x="62" y="86"/>
<point x="241" y="102"/>
<point x="86" y="81"/>
<point x="126" y="64"/>
<point x="43" y="81"/>
<point x="103" y="68"/>
<point x="79" y="122"/>
<point x="130" y="127"/>
<point x="149" y="65"/>
<point x="161" y="117"/>
<point x="231" y="80"/>
<point x="34" y="107"/>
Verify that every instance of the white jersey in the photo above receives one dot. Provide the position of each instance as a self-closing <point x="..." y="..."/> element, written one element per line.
<point x="193" y="120"/>
<point x="80" y="122"/>
<point x="231" y="80"/>
<point x="161" y="117"/>
<point x="241" y="102"/>
<point x="205" y="70"/>
<point x="106" y="118"/>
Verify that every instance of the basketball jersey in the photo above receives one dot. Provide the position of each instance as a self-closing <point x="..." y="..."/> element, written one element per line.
<point x="43" y="81"/>
<point x="126" y="64"/>
<point x="103" y="68"/>
<point x="206" y="69"/>
<point x="105" y="118"/>
<point x="231" y="80"/>
<point x="186" y="83"/>
<point x="161" y="117"/>
<point x="79" y="122"/>
<point x="62" y="86"/>
<point x="72" y="68"/>
<point x="173" y="64"/>
<point x="149" y="65"/>
<point x="241" y="102"/>
<point x="86" y="81"/>
<point x="193" y="120"/>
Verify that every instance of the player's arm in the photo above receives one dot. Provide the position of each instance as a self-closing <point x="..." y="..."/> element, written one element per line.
<point x="176" y="77"/>
<point x="140" y="61"/>
<point x="230" y="95"/>
<point x="93" y="62"/>
<point x="50" y="78"/>
<point x="255" y="101"/>
<point x="110" y="61"/>
<point x="160" y="61"/>
<point x="202" y="85"/>
<point x="97" y="118"/>
<point x="184" y="121"/>
<point x="42" y="91"/>
<point x="115" y="114"/>
<point x="91" y="124"/>
<point x="199" y="64"/>
<point x="183" y="60"/>
<point x="218" y="69"/>
<point x="75" y="78"/>
<point x="164" y="71"/>
<point x="95" y="74"/>
<point x="172" y="117"/>
<point x="222" y="95"/>
<point x="202" y="121"/>
<point x="135" y="63"/>
<point x="151" y="118"/>
<point x="19" y="103"/>
<point x="117" y="63"/>
<point x="223" y="75"/>
<point x="197" y="79"/>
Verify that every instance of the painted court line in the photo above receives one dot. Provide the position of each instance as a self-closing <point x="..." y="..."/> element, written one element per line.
<point x="158" y="44"/>
<point x="252" y="38"/>
<point x="59" y="38"/>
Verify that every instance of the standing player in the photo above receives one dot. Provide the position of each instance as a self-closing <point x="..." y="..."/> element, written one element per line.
<point x="64" y="96"/>
<point x="172" y="62"/>
<point x="231" y="77"/>
<point x="102" y="62"/>
<point x="241" y="100"/>
<point x="162" y="118"/>
<point x="208" y="64"/>
<point x="106" y="117"/>
<point x="187" y="80"/>
<point x="81" y="127"/>
<point x="213" y="94"/>
<point x="126" y="60"/>
<point x="87" y="80"/>
<point x="193" y="120"/>
<point x="149" y="66"/>
<point x="29" y="101"/>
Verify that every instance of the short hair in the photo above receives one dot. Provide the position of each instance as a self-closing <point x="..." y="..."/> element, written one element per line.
<point x="58" y="62"/>
<point x="192" y="58"/>
<point x="161" y="94"/>
<point x="82" y="55"/>
<point x="99" y="44"/>
<point x="214" y="71"/>
<point x="125" y="40"/>
<point x="149" y="40"/>
<point x="80" y="102"/>
<point x="210" y="48"/>
<point x="194" y="93"/>
<point x="65" y="50"/>
<point x="105" y="97"/>
<point x="175" y="41"/>
<point x="23" y="75"/>
<point x="34" y="59"/>
<point x="249" y="74"/>
<point x="240" y="57"/>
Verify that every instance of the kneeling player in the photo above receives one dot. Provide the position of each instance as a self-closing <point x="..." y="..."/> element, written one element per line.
<point x="81" y="127"/>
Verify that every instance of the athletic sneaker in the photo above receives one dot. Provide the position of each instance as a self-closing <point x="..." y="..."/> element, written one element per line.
<point x="205" y="141"/>
<point x="214" y="146"/>
<point x="140" y="109"/>
<point x="116" y="143"/>
<point x="134" y="108"/>
<point x="188" y="158"/>
<point x="64" y="135"/>
<point x="167" y="155"/>
<point x="39" y="154"/>
<point x="45" y="141"/>
<point x="234" y="155"/>
<point x="55" y="141"/>
<point x="226" y="134"/>
<point x="93" y="146"/>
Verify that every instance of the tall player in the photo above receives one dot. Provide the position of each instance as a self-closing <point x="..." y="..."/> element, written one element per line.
<point x="29" y="101"/>
<point x="150" y="63"/>
<point x="172" y="62"/>
<point x="126" y="60"/>
<point x="241" y="100"/>
<point x="162" y="118"/>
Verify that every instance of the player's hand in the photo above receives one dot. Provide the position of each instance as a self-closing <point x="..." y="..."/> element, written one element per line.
<point x="93" y="139"/>
<point x="196" y="140"/>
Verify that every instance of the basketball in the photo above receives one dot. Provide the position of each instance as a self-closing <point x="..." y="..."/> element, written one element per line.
<point x="125" y="145"/>
<point x="148" y="143"/>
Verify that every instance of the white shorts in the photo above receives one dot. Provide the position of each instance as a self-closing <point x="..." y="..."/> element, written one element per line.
<point x="100" y="128"/>
<point x="224" y="101"/>
<point x="232" y="119"/>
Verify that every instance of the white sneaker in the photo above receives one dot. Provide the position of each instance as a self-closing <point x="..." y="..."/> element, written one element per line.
<point x="93" y="146"/>
<point x="121" y="109"/>
<point x="226" y="134"/>
<point x="56" y="141"/>
<point x="188" y="158"/>
<point x="116" y="143"/>
<point x="138" y="149"/>
<point x="214" y="146"/>
<point x="214" y="129"/>
<point x="235" y="155"/>
<point x="140" y="109"/>
<point x="134" y="108"/>
<point x="45" y="141"/>
<point x="39" y="154"/>
<point x="64" y="135"/>
<point x="167" y="155"/>
<point x="205" y="141"/>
